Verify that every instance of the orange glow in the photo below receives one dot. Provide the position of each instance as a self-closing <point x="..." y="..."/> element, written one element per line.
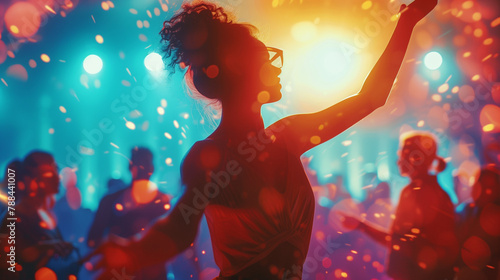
<point x="45" y="273"/>
<point x="478" y="32"/>
<point x="495" y="22"/>
<point x="436" y="97"/>
<point x="105" y="6"/>
<point x="476" y="16"/>
<point x="366" y="5"/>
<point x="263" y="97"/>
<point x="489" y="127"/>
<point x="443" y="88"/>
<point x="16" y="19"/>
<point x="167" y="206"/>
<point x="144" y="191"/>
<point x="3" y="197"/>
<point x="45" y="58"/>
<point x="119" y="207"/>
<point x="99" y="39"/>
<point x="315" y="140"/>
<point x="467" y="4"/>
<point x="50" y="9"/>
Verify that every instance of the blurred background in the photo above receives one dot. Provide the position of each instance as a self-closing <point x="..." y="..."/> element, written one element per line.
<point x="85" y="81"/>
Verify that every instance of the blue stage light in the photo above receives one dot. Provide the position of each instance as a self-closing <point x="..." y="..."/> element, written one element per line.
<point x="92" y="64"/>
<point x="433" y="60"/>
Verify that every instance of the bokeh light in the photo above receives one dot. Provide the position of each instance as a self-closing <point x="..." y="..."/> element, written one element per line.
<point x="22" y="19"/>
<point x="154" y="62"/>
<point x="92" y="64"/>
<point x="433" y="60"/>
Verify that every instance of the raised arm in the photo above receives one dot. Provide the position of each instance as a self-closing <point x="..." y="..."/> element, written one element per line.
<point x="332" y="121"/>
<point x="168" y="237"/>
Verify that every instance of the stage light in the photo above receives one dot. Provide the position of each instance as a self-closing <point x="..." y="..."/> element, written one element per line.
<point x="433" y="60"/>
<point x="303" y="31"/>
<point x="154" y="62"/>
<point x="325" y="67"/>
<point x="92" y="64"/>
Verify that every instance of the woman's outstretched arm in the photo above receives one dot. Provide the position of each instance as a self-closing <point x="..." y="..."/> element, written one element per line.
<point x="168" y="236"/>
<point x="332" y="121"/>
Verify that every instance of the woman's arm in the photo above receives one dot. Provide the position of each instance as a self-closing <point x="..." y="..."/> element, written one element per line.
<point x="376" y="232"/>
<point x="332" y="121"/>
<point x="168" y="237"/>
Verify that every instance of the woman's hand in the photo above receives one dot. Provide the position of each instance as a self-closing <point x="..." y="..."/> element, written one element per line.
<point x="115" y="258"/>
<point x="348" y="221"/>
<point x="416" y="11"/>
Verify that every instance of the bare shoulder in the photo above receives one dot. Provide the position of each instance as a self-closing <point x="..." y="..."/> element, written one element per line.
<point x="204" y="157"/>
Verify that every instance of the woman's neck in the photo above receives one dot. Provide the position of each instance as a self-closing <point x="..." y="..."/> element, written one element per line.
<point x="240" y="121"/>
<point x="424" y="176"/>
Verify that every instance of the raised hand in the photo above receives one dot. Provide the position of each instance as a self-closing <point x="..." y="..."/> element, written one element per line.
<point x="417" y="10"/>
<point x="115" y="257"/>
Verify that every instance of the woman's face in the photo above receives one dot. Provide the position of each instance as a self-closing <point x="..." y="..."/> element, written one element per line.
<point x="256" y="75"/>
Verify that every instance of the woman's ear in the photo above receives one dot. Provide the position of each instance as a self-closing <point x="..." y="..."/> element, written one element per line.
<point x="207" y="86"/>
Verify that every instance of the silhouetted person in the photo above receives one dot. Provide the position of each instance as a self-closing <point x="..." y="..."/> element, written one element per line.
<point x="38" y="241"/>
<point x="248" y="179"/>
<point x="129" y="211"/>
<point x="422" y="241"/>
<point x="115" y="185"/>
<point x="479" y="229"/>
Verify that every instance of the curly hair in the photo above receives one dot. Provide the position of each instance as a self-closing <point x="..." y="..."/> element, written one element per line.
<point x="187" y="32"/>
<point x="198" y="37"/>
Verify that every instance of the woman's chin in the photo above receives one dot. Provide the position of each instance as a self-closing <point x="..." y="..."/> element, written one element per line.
<point x="275" y="96"/>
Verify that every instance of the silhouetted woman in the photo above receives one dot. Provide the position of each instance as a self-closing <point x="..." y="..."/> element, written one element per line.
<point x="422" y="241"/>
<point x="248" y="179"/>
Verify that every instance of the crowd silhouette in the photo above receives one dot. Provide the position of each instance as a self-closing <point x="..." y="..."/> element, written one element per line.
<point x="262" y="207"/>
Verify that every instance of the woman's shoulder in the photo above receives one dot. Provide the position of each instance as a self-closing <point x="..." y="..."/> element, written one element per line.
<point x="204" y="155"/>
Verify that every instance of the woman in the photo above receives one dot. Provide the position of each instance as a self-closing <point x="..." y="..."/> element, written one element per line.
<point x="248" y="179"/>
<point x="422" y="241"/>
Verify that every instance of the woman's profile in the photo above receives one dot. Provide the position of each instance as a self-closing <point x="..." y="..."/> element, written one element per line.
<point x="422" y="241"/>
<point x="247" y="178"/>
